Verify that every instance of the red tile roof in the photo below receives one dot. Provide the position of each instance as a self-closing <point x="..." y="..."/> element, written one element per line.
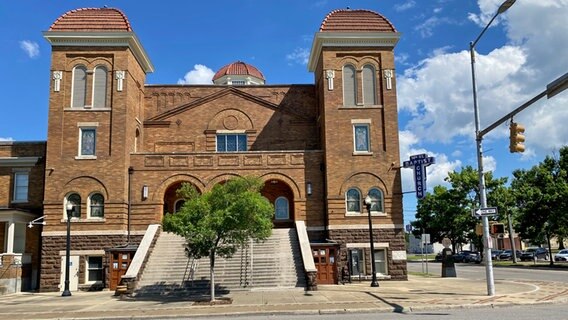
<point x="238" y="68"/>
<point x="92" y="19"/>
<point x="347" y="20"/>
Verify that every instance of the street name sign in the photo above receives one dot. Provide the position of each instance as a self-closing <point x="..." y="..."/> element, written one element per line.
<point x="484" y="212"/>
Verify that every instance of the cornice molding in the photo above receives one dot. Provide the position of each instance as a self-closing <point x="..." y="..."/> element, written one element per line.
<point x="349" y="39"/>
<point x="18" y="161"/>
<point x="102" y="39"/>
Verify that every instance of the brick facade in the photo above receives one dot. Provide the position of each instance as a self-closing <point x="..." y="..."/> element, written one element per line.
<point x="155" y="137"/>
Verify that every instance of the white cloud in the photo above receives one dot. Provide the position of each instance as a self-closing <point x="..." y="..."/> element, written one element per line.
<point x="405" y="6"/>
<point x="437" y="91"/>
<point x="31" y="48"/>
<point x="426" y="28"/>
<point x="199" y="75"/>
<point x="6" y="139"/>
<point x="299" y="56"/>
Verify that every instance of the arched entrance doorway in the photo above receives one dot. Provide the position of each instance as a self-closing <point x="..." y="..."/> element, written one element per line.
<point x="172" y="201"/>
<point x="282" y="197"/>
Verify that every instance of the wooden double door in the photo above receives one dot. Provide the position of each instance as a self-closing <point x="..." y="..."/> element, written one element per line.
<point x="119" y="263"/>
<point x="325" y="257"/>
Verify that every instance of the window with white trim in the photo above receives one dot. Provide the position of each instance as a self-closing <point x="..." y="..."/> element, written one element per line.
<point x="228" y="142"/>
<point x="79" y="90"/>
<point x="21" y="184"/>
<point x="376" y="196"/>
<point x="100" y="87"/>
<point x="88" y="141"/>
<point x="361" y="137"/>
<point x="282" y="209"/>
<point x="353" y="200"/>
<point x="349" y="86"/>
<point x="381" y="261"/>
<point x="369" y="85"/>
<point x="96" y="206"/>
<point x="94" y="269"/>
<point x="75" y="200"/>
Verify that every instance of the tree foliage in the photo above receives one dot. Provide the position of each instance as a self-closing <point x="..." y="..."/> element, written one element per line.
<point x="447" y="211"/>
<point x="540" y="194"/>
<point x="221" y="220"/>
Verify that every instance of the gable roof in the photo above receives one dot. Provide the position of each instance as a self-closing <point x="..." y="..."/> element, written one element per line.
<point x="162" y="118"/>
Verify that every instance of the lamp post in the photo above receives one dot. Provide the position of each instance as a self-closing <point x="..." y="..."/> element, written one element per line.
<point x="478" y="138"/>
<point x="374" y="282"/>
<point x="66" y="292"/>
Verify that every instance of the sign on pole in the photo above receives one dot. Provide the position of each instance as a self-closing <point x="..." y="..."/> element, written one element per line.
<point x="419" y="163"/>
<point x="484" y="212"/>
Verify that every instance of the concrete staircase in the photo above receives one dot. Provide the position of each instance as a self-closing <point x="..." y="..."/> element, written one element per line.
<point x="274" y="263"/>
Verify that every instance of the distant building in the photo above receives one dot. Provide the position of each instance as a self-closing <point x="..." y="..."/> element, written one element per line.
<point x="119" y="148"/>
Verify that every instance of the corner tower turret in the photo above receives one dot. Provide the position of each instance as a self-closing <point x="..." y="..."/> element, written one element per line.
<point x="97" y="77"/>
<point x="352" y="59"/>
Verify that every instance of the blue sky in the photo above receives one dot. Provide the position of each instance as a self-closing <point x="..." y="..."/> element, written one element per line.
<point x="526" y="48"/>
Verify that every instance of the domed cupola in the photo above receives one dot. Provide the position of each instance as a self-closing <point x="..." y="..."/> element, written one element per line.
<point x="238" y="73"/>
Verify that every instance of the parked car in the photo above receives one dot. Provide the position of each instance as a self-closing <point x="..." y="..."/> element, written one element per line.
<point x="495" y="254"/>
<point x="473" y="256"/>
<point x="438" y="257"/>
<point x="562" y="255"/>
<point x="508" y="254"/>
<point x="534" y="254"/>
<point x="462" y="256"/>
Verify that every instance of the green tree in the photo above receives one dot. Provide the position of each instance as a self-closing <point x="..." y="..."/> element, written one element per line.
<point x="540" y="195"/>
<point x="447" y="211"/>
<point x="221" y="220"/>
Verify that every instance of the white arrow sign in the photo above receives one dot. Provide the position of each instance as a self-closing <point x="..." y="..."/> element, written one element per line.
<point x="484" y="212"/>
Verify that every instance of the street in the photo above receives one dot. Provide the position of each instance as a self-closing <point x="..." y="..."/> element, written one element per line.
<point x="549" y="312"/>
<point x="477" y="271"/>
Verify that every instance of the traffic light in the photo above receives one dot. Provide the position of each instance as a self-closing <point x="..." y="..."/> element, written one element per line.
<point x="497" y="228"/>
<point x="516" y="138"/>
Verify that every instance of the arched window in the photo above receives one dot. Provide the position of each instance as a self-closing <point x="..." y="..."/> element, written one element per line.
<point x="96" y="206"/>
<point x="100" y="87"/>
<point x="349" y="86"/>
<point x="79" y="87"/>
<point x="282" y="208"/>
<point x="75" y="200"/>
<point x="177" y="206"/>
<point x="369" y="85"/>
<point x="353" y="200"/>
<point x="376" y="200"/>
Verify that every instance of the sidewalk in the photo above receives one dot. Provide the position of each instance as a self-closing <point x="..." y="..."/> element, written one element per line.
<point x="417" y="294"/>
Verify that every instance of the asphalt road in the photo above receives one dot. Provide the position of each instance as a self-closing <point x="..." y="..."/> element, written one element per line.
<point x="477" y="271"/>
<point x="548" y="312"/>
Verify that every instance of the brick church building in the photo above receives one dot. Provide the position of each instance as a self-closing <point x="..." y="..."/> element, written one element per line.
<point x="118" y="148"/>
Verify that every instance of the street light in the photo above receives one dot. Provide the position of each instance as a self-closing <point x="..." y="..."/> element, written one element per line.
<point x="368" y="203"/>
<point x="69" y="207"/>
<point x="478" y="138"/>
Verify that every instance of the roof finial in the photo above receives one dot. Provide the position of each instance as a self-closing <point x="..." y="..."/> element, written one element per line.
<point x="348" y="8"/>
<point x="105" y="6"/>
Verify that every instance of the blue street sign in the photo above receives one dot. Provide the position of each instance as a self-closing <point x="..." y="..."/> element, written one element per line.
<point x="419" y="163"/>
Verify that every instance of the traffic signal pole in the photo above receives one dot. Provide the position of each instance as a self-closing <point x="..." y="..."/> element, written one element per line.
<point x="552" y="89"/>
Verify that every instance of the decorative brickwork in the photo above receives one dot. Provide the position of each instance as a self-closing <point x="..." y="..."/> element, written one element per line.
<point x="394" y="237"/>
<point x="51" y="258"/>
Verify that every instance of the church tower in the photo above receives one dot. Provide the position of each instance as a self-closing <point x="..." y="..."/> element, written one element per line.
<point x="352" y="58"/>
<point x="97" y="77"/>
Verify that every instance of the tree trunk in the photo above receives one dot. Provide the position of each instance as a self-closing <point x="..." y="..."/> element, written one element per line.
<point x="212" y="266"/>
<point x="561" y="243"/>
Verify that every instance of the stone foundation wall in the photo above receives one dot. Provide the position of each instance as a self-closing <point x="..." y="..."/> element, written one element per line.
<point x="394" y="237"/>
<point x="51" y="259"/>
